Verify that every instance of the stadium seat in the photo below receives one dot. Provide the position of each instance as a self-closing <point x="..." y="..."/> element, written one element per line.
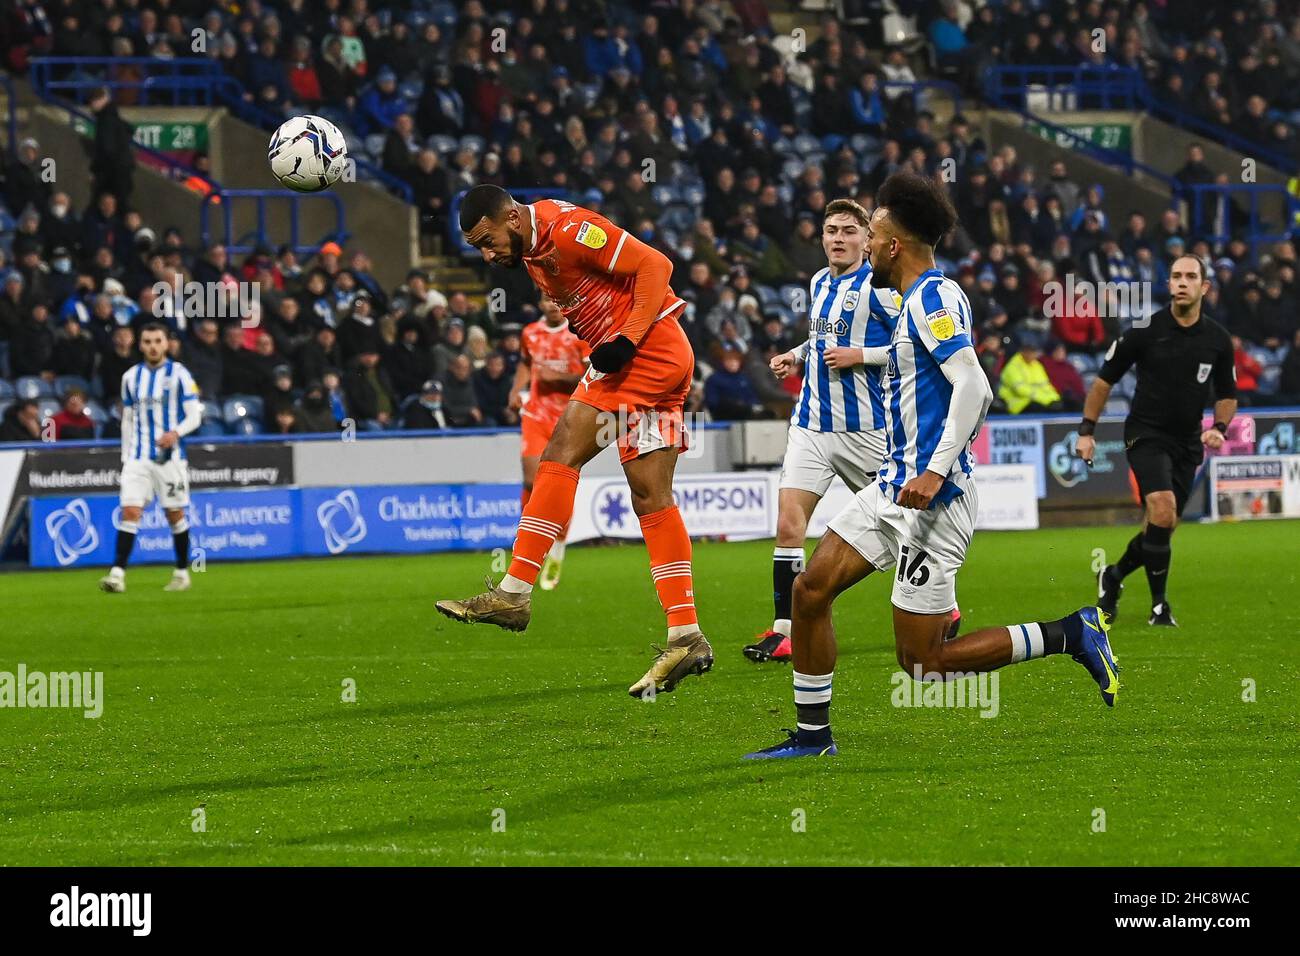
<point x="693" y="195"/>
<point x="375" y="145"/>
<point x="239" y="408"/>
<point x="7" y="392"/>
<point x="33" y="386"/>
<point x="412" y="90"/>
<point x="1082" y="362"/>
<point x="210" y="427"/>
<point x="677" y="217"/>
<point x="1116" y="406"/>
<point x="795" y="297"/>
<point x="792" y="168"/>
<point x="49" y="407"/>
<point x="473" y="143"/>
<point x="441" y="143"/>
<point x="664" y="194"/>
<point x="4" y="407"/>
<point x="767" y="296"/>
<point x="806" y="143"/>
<point x="65" y="383"/>
<point x="245" y="426"/>
<point x="97" y="415"/>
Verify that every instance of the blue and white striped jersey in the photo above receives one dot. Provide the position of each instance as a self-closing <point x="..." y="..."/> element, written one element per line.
<point x="934" y="324"/>
<point x="158" y="399"/>
<point x="846" y="311"/>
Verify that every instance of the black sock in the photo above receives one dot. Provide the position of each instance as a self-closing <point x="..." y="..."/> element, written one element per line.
<point x="1132" y="558"/>
<point x="786" y="565"/>
<point x="1156" y="555"/>
<point x="812" y="704"/>
<point x="181" y="542"/>
<point x="125" y="542"/>
<point x="1057" y="634"/>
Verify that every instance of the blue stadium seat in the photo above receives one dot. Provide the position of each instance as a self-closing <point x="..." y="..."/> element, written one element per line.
<point x="65" y="383"/>
<point x="245" y="426"/>
<point x="473" y="142"/>
<point x="1082" y="362"/>
<point x="239" y="408"/>
<point x="693" y="195"/>
<point x="1116" y="406"/>
<point x="664" y="194"/>
<point x="210" y="427"/>
<point x="795" y="297"/>
<point x="767" y="296"/>
<point x="375" y="145"/>
<point x="49" y="407"/>
<point x="677" y="217"/>
<point x="441" y="143"/>
<point x="7" y="392"/>
<point x="33" y="386"/>
<point x="98" y="416"/>
<point x="4" y="407"/>
<point x="412" y="90"/>
<point x="806" y="143"/>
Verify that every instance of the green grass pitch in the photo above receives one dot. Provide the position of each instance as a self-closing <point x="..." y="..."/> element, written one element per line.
<point x="229" y="698"/>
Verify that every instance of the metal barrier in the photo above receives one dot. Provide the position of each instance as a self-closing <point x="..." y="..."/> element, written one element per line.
<point x="1113" y="88"/>
<point x="1202" y="200"/>
<point x="225" y="198"/>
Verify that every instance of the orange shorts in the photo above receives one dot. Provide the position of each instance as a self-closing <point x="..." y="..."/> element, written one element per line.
<point x="536" y="433"/>
<point x="649" y="391"/>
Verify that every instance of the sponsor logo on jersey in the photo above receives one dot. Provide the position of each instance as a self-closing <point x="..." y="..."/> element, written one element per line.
<point x="828" y="326"/>
<point x="591" y="235"/>
<point x="941" y="325"/>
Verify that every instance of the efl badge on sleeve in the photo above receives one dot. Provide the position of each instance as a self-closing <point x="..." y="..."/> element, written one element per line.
<point x="941" y="325"/>
<point x="1203" y="372"/>
<point x="592" y="236"/>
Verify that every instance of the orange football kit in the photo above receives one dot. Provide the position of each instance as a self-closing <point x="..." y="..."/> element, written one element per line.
<point x="607" y="284"/>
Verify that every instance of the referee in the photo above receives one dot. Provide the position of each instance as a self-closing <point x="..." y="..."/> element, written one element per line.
<point x="1180" y="356"/>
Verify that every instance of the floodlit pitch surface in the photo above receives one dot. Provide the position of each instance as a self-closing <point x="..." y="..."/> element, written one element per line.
<point x="470" y="745"/>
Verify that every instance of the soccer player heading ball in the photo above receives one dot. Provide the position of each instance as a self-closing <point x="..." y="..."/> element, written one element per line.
<point x="614" y="291"/>
<point x="918" y="518"/>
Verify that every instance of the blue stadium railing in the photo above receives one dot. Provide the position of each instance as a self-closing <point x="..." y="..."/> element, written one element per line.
<point x="1114" y="88"/>
<point x="226" y="199"/>
<point x="184" y="81"/>
<point x="1202" y="203"/>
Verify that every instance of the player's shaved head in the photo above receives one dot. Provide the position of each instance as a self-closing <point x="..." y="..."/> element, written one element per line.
<point x="491" y="222"/>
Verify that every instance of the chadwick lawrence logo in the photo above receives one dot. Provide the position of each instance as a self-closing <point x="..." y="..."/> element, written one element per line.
<point x="134" y="910"/>
<point x="340" y="518"/>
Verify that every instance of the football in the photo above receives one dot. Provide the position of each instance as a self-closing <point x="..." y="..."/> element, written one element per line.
<point x="307" y="154"/>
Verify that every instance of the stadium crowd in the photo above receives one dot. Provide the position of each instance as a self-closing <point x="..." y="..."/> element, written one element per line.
<point x="745" y="140"/>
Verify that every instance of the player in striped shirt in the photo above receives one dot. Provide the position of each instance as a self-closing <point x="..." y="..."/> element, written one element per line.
<point x="838" y="425"/>
<point x="917" y="519"/>
<point x="160" y="406"/>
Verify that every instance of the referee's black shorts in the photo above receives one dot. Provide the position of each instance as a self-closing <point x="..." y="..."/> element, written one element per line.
<point x="1161" y="465"/>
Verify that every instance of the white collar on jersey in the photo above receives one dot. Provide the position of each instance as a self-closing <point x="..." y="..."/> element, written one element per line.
<point x="532" y="215"/>
<point x="552" y="329"/>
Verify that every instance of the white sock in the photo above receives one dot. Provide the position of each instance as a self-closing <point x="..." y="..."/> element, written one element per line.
<point x="1026" y="642"/>
<point x="180" y="572"/>
<point x="681" y="630"/>
<point x="513" y="585"/>
<point x="116" y="572"/>
<point x="812" y="690"/>
<point x="557" y="550"/>
<point x="782" y="626"/>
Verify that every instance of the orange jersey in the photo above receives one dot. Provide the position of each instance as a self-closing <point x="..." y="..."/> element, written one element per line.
<point x="605" y="281"/>
<point x="558" y="349"/>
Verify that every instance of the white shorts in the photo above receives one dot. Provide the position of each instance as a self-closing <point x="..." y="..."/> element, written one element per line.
<point x="927" y="547"/>
<point x="812" y="459"/>
<point x="142" y="481"/>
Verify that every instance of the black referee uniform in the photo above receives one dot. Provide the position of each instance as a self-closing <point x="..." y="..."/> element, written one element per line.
<point x="1178" y="368"/>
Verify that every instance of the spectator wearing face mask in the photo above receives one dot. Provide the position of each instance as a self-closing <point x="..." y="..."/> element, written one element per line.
<point x="426" y="413"/>
<point x="315" y="414"/>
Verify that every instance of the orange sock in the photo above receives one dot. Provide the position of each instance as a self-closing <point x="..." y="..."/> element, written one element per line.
<point x="547" y="513"/>
<point x="670" y="564"/>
